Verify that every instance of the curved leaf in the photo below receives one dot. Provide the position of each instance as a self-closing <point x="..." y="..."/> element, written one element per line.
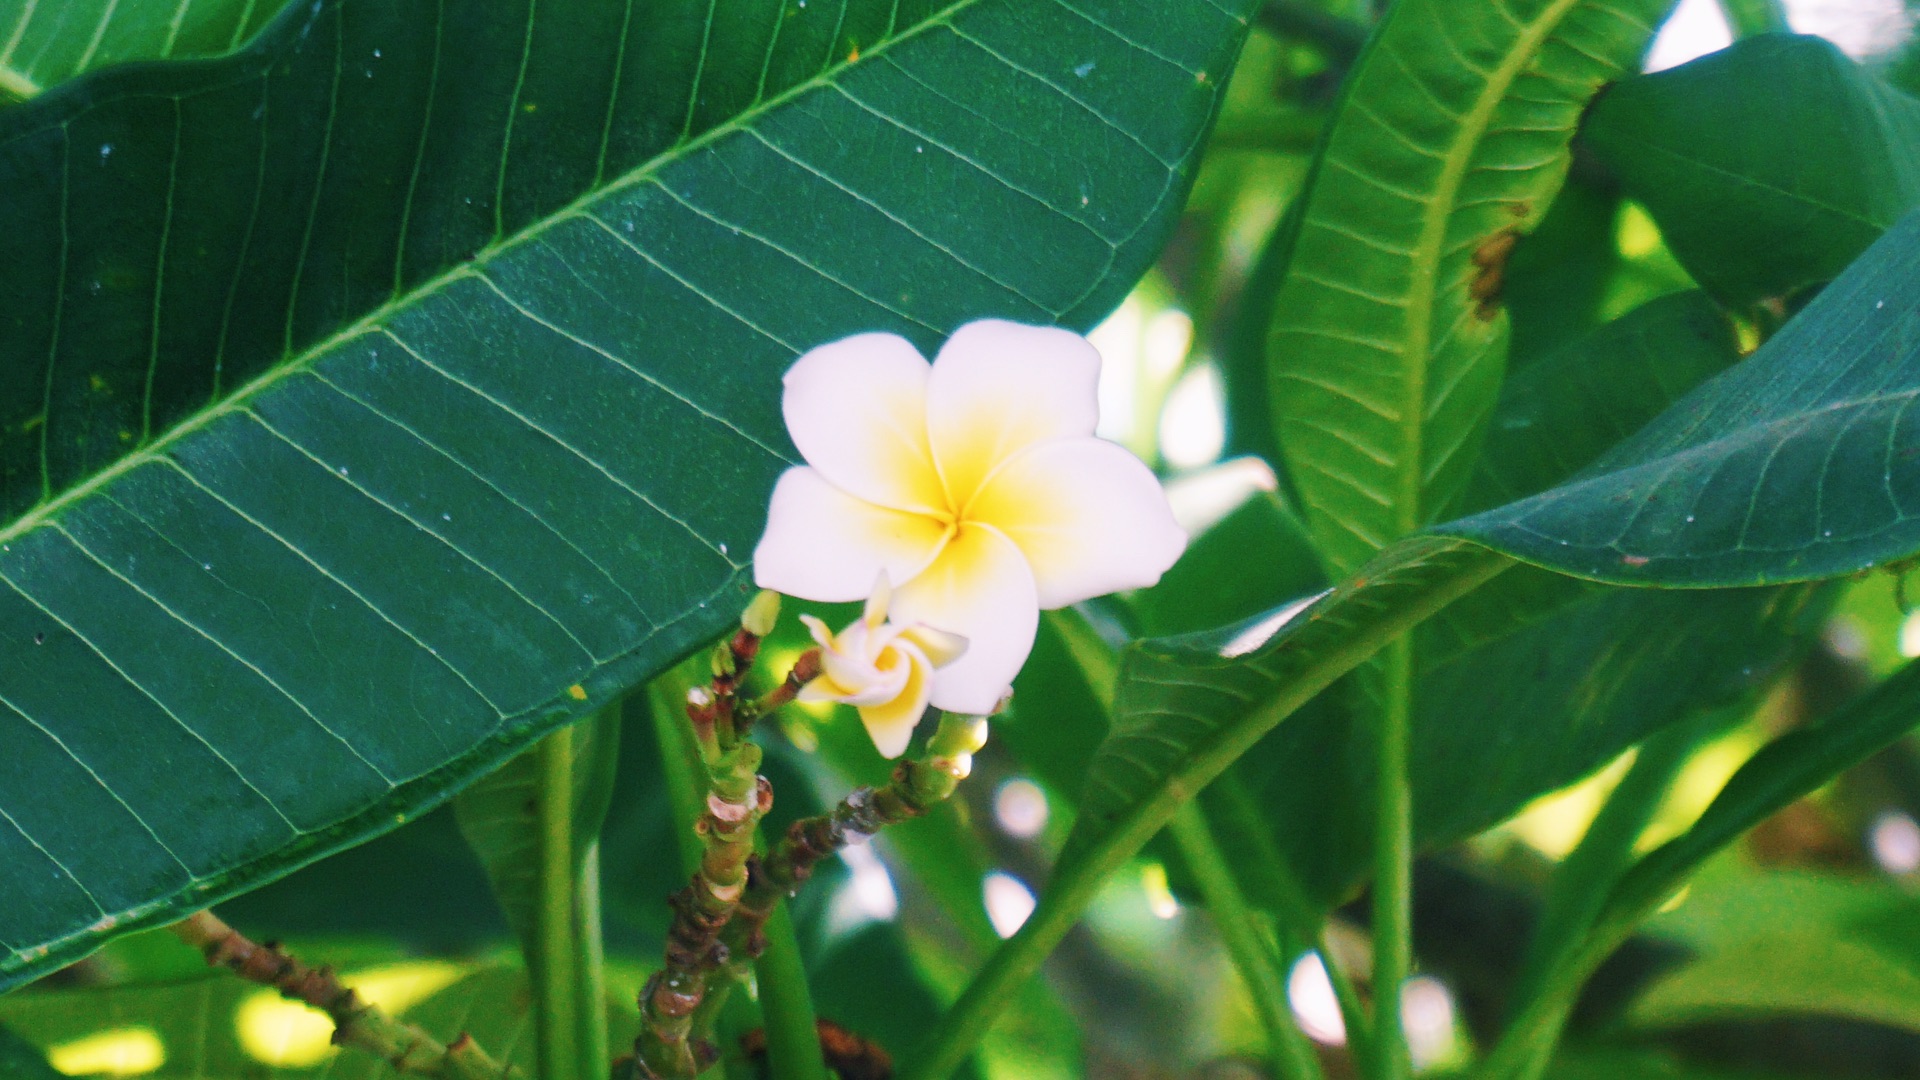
<point x="1769" y="165"/>
<point x="1802" y="462"/>
<point x="1786" y="973"/>
<point x="1188" y="707"/>
<point x="45" y="44"/>
<point x="377" y="398"/>
<point x="1605" y="667"/>
<point x="1388" y="340"/>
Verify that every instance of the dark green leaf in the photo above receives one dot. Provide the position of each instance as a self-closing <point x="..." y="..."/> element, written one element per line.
<point x="44" y="44"/>
<point x="380" y="397"/>
<point x="1799" y="463"/>
<point x="1577" y="675"/>
<point x="21" y="1060"/>
<point x="1388" y="340"/>
<point x="1602" y="668"/>
<point x="1769" y="165"/>
<point x="1557" y="280"/>
<point x="1557" y="416"/>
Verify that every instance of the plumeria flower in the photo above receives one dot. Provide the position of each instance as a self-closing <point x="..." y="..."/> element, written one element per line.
<point x="884" y="669"/>
<point x="973" y="483"/>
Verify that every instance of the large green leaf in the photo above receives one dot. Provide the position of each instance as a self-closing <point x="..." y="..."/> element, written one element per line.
<point x="1769" y="165"/>
<point x="380" y="397"/>
<point x="44" y="44"/>
<point x="1799" y="463"/>
<point x="1604" y="667"/>
<point x="1388" y="339"/>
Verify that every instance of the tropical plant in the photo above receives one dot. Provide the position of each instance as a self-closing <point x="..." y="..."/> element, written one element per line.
<point x="1486" y="656"/>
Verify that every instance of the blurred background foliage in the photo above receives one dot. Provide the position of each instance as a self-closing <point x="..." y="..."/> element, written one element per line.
<point x="1794" y="954"/>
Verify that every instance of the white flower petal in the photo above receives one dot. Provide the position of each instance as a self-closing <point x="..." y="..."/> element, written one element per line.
<point x="941" y="647"/>
<point x="875" y="612"/>
<point x="998" y="387"/>
<point x="822" y="636"/>
<point x="979" y="588"/>
<point x="857" y="410"/>
<point x="1088" y="516"/>
<point x="823" y="544"/>
<point x="890" y="723"/>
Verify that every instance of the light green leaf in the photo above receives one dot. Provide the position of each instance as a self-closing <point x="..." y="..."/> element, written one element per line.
<point x="1785" y="973"/>
<point x="502" y="816"/>
<point x="1189" y="707"/>
<point x="1769" y="165"/>
<point x="1802" y="462"/>
<point x="1388" y="339"/>
<point x="535" y="824"/>
<point x="376" y="399"/>
<point x="1787" y="769"/>
<point x="42" y="44"/>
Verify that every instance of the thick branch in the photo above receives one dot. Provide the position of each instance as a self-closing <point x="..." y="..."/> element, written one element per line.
<point x="356" y="1024"/>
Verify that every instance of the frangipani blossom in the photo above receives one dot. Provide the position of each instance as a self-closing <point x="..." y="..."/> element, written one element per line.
<point x="973" y="483"/>
<point x="884" y="669"/>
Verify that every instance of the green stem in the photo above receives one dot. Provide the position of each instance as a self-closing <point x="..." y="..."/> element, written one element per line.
<point x="590" y="1001"/>
<point x="1292" y="1056"/>
<point x="556" y="975"/>
<point x="1581" y="883"/>
<point x="1392" y="865"/>
<point x="1353" y="1012"/>
<point x="680" y="762"/>
<point x="793" y="1037"/>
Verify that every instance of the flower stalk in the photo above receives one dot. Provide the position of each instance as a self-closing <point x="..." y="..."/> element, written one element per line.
<point x="672" y="1041"/>
<point x="916" y="787"/>
<point x="356" y="1023"/>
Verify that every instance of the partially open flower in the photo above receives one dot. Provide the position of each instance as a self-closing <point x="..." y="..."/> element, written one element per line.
<point x="883" y="669"/>
<point x="974" y="483"/>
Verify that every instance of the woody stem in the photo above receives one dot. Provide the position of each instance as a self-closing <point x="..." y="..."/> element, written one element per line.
<point x="356" y="1024"/>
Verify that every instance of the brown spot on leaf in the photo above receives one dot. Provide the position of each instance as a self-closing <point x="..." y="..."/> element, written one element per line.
<point x="1490" y="261"/>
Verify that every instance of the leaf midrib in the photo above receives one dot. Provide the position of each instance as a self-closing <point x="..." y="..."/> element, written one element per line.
<point x="1433" y="231"/>
<point x="579" y="207"/>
